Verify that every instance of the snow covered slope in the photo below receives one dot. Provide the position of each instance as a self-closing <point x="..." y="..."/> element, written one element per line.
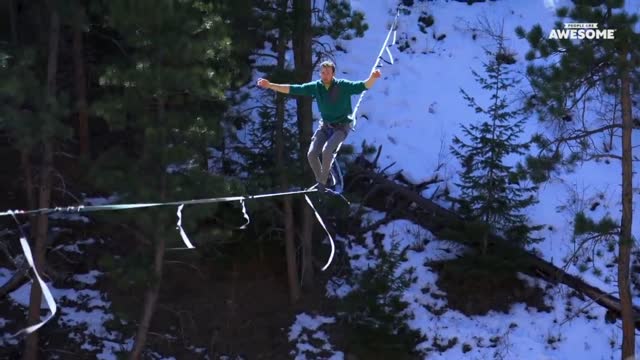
<point x="415" y="110"/>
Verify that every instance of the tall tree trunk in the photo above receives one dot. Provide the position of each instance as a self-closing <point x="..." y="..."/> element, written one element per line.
<point x="151" y="296"/>
<point x="302" y="52"/>
<point x="13" y="18"/>
<point x="292" y="264"/>
<point x="42" y="224"/>
<point x="20" y="277"/>
<point x="44" y="196"/>
<point x="624" y="255"/>
<point x="25" y="152"/>
<point x="27" y="172"/>
<point x="80" y="81"/>
<point x="25" y="161"/>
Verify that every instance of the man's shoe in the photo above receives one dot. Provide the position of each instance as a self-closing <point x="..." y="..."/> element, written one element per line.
<point x="321" y="187"/>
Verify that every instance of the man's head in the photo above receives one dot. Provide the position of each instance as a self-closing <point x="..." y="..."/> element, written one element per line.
<point x="327" y="71"/>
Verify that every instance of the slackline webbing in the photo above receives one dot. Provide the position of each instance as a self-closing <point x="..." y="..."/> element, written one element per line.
<point x="92" y="208"/>
<point x="385" y="46"/>
<point x="117" y="207"/>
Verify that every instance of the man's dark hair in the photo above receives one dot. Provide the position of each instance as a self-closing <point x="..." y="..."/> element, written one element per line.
<point x="328" y="64"/>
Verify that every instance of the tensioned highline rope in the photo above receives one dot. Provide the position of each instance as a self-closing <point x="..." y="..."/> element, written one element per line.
<point x="82" y="208"/>
<point x="386" y="46"/>
<point x="117" y="207"/>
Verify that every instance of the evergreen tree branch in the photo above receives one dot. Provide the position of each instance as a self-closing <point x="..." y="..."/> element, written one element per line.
<point x="583" y="134"/>
<point x="603" y="156"/>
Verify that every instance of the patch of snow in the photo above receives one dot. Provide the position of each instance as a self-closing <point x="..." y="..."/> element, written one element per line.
<point x="306" y="327"/>
<point x="88" y="278"/>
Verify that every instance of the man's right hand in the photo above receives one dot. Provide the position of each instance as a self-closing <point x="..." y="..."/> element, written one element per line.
<point x="264" y="83"/>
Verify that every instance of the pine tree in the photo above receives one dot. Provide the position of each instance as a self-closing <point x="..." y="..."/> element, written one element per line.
<point x="32" y="109"/>
<point x="80" y="78"/>
<point x="581" y="73"/>
<point x="375" y="311"/>
<point x="272" y="134"/>
<point x="492" y="192"/>
<point x="167" y="96"/>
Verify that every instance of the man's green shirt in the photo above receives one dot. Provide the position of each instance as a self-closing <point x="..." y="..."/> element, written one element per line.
<point x="334" y="103"/>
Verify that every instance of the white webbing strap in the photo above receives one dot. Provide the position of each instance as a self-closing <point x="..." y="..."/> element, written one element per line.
<point x="375" y="64"/>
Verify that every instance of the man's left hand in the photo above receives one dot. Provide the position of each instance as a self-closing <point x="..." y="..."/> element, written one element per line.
<point x="376" y="74"/>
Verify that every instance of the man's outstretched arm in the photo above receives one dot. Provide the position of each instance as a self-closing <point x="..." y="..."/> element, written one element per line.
<point x="306" y="89"/>
<point x="357" y="87"/>
<point x="283" y="88"/>
<point x="375" y="75"/>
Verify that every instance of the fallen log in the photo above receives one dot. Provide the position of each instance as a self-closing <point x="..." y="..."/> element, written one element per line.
<point x="390" y="195"/>
<point x="18" y="279"/>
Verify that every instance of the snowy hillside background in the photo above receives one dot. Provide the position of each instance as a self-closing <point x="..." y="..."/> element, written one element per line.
<point x="415" y="111"/>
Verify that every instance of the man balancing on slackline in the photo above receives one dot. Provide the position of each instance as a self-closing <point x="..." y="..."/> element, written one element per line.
<point x="333" y="98"/>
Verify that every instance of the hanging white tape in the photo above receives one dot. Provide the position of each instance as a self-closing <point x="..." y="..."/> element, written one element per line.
<point x="45" y="290"/>
<point x="244" y="212"/>
<point x="390" y="56"/>
<point x="333" y="246"/>
<point x="182" y="233"/>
